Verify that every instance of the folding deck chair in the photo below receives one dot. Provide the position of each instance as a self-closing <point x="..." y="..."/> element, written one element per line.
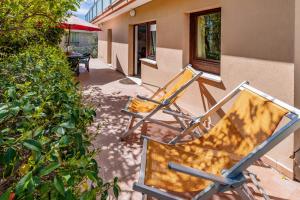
<point x="217" y="161"/>
<point x="163" y="98"/>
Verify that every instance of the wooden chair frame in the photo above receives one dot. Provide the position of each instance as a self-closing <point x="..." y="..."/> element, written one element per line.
<point x="234" y="178"/>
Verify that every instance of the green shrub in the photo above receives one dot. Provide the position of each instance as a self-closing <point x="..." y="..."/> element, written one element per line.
<point x="43" y="139"/>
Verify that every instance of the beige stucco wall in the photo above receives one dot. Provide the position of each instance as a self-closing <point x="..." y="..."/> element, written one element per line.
<point x="297" y="85"/>
<point x="102" y="45"/>
<point x="257" y="45"/>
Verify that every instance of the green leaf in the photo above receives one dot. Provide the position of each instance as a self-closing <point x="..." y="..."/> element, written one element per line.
<point x="9" y="155"/>
<point x="22" y="184"/>
<point x="89" y="195"/>
<point x="3" y="114"/>
<point x="28" y="108"/>
<point x="69" y="195"/>
<point x="12" y="92"/>
<point x="116" y="188"/>
<point x="15" y="110"/>
<point x="44" y="191"/>
<point x="59" y="185"/>
<point x="4" y="107"/>
<point x="64" y="141"/>
<point x="60" y="131"/>
<point x="50" y="168"/>
<point x="32" y="145"/>
<point x="68" y="125"/>
<point x="5" y="195"/>
<point x="104" y="195"/>
<point x="92" y="176"/>
<point x="67" y="177"/>
<point x="116" y="179"/>
<point x="39" y="131"/>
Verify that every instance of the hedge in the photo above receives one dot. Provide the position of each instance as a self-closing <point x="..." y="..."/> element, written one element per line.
<point x="44" y="145"/>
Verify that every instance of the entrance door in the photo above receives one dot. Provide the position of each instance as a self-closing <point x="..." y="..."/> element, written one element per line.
<point x="140" y="43"/>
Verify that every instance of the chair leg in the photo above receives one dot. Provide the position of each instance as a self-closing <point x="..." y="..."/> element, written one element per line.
<point x="139" y="123"/>
<point x="87" y="66"/>
<point x="258" y="186"/>
<point x="144" y="197"/>
<point x="181" y="123"/>
<point x="132" y="129"/>
<point x="245" y="192"/>
<point x="130" y="124"/>
<point x="77" y="71"/>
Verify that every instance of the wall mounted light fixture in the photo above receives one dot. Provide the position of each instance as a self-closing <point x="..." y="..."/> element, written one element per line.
<point x="132" y="13"/>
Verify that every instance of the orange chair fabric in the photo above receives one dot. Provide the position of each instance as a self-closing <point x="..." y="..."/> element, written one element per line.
<point x="141" y="106"/>
<point x="250" y="121"/>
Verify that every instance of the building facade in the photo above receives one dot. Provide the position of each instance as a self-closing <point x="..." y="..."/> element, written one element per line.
<point x="231" y="40"/>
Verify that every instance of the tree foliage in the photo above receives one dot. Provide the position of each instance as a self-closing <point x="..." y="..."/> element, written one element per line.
<point x="25" y="22"/>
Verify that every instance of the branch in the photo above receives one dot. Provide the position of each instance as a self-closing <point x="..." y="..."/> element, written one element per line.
<point x="38" y="14"/>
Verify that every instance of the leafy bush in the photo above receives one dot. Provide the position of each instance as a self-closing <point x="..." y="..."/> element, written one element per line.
<point x="43" y="141"/>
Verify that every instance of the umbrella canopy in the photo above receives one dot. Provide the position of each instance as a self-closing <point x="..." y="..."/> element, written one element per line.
<point x="75" y="23"/>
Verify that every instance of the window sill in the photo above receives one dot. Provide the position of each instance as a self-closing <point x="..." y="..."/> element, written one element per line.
<point x="211" y="77"/>
<point x="149" y="62"/>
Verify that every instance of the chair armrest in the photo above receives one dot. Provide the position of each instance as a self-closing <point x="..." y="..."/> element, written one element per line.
<point x="201" y="174"/>
<point x="148" y="99"/>
<point x="153" y="192"/>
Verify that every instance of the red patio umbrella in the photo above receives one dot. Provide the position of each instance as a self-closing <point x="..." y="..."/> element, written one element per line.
<point x="75" y="23"/>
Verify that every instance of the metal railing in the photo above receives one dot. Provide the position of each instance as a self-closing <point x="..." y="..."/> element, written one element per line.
<point x="98" y="8"/>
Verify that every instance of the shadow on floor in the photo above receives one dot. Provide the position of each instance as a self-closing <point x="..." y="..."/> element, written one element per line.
<point x="116" y="158"/>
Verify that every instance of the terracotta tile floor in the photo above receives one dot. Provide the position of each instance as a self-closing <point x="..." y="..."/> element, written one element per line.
<point x="108" y="91"/>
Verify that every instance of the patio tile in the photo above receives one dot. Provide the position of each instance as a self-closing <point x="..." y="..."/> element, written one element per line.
<point x="108" y="91"/>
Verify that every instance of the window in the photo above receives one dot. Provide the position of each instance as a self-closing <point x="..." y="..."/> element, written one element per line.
<point x="74" y="39"/>
<point x="205" y="41"/>
<point x="151" y="40"/>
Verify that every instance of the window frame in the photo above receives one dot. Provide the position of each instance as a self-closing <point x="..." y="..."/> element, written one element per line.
<point x="207" y="65"/>
<point x="148" y="42"/>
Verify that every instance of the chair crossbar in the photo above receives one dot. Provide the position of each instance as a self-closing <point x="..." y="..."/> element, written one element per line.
<point x="201" y="174"/>
<point x="148" y="99"/>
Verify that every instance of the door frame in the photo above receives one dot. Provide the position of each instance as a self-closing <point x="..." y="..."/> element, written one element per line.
<point x="135" y="45"/>
<point x="135" y="49"/>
